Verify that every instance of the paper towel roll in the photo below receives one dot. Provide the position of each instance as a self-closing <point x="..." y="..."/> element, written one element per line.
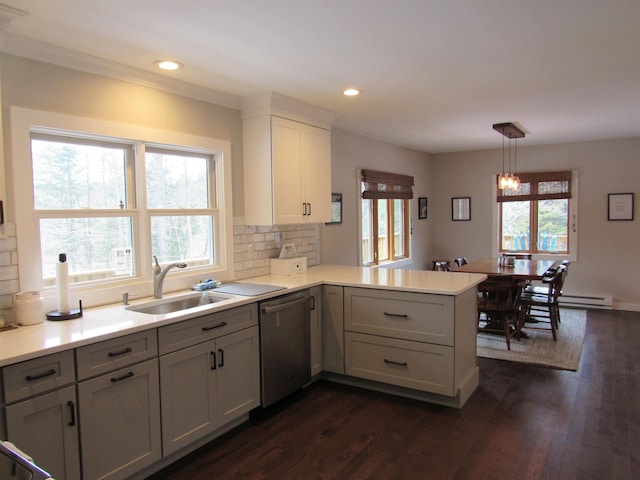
<point x="62" y="276"/>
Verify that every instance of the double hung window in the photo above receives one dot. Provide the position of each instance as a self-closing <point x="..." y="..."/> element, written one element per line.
<point x="535" y="218"/>
<point x="385" y="217"/>
<point x="112" y="202"/>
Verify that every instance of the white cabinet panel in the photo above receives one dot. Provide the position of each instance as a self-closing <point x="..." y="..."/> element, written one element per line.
<point x="287" y="172"/>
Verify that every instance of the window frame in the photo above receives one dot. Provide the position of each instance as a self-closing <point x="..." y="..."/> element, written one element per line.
<point x="572" y="218"/>
<point x="25" y="121"/>
<point x="404" y="189"/>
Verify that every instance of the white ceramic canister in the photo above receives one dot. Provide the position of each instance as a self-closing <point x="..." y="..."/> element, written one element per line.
<point x="28" y="307"/>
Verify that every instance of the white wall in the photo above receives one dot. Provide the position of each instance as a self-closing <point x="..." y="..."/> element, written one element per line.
<point x="350" y="152"/>
<point x="608" y="261"/>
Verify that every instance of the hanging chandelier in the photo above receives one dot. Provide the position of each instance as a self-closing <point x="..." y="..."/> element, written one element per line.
<point x="506" y="179"/>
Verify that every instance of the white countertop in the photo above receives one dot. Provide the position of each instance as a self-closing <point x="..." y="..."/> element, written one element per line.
<point x="103" y="323"/>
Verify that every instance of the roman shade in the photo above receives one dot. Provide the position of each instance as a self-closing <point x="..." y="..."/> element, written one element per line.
<point x="384" y="185"/>
<point x="538" y="186"/>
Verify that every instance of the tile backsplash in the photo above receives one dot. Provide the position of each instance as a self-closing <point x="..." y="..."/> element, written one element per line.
<point x="255" y="246"/>
<point x="9" y="283"/>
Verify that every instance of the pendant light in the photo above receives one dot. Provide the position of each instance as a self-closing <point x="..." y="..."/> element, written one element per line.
<point x="506" y="179"/>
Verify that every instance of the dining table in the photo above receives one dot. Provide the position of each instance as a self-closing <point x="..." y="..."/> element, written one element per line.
<point x="512" y="276"/>
<point x="521" y="269"/>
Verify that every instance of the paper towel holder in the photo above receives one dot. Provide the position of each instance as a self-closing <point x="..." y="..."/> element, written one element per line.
<point x="71" y="314"/>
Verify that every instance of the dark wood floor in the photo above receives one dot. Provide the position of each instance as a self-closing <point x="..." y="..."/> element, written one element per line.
<point x="522" y="422"/>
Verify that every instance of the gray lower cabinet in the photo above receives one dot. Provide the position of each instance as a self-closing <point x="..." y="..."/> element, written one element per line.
<point x="316" y="330"/>
<point x="424" y="342"/>
<point x="120" y="422"/>
<point x="46" y="427"/>
<point x="119" y="406"/>
<point x="333" y="328"/>
<point x="41" y="413"/>
<point x="211" y="383"/>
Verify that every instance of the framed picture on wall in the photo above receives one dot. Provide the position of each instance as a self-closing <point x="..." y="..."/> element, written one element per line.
<point x="620" y="206"/>
<point x="460" y="209"/>
<point x="422" y="207"/>
<point x="336" y="208"/>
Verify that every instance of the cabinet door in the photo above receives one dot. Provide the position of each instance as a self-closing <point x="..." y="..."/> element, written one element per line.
<point x="188" y="392"/>
<point x="288" y="186"/>
<point x="333" y="328"/>
<point x="316" y="330"/>
<point x="120" y="422"/>
<point x="238" y="374"/>
<point x="316" y="169"/>
<point x="45" y="428"/>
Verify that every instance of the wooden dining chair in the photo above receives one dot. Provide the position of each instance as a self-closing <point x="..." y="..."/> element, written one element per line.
<point x="441" y="266"/>
<point x="460" y="261"/>
<point x="498" y="306"/>
<point x="541" y="311"/>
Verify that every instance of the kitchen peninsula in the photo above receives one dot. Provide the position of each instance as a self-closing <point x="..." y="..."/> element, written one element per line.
<point x="406" y="332"/>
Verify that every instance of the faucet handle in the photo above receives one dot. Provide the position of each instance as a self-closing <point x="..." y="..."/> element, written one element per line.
<point x="157" y="268"/>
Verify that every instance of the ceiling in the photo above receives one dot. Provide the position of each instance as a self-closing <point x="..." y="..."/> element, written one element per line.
<point x="435" y="74"/>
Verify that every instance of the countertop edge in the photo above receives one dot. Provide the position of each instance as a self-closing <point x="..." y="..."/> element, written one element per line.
<point x="97" y="324"/>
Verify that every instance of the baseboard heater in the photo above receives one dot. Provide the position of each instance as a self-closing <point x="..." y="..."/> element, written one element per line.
<point x="587" y="301"/>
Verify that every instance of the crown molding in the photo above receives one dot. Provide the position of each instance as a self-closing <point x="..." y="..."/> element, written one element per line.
<point x="63" y="57"/>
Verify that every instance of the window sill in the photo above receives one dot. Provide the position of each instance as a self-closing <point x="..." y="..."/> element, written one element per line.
<point x="405" y="262"/>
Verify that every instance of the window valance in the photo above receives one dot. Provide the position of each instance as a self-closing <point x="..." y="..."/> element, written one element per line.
<point x="538" y="186"/>
<point x="383" y="185"/>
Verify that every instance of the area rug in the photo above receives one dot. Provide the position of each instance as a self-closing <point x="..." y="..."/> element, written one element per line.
<point x="539" y="348"/>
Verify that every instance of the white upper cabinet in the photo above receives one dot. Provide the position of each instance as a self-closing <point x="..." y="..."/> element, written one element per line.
<point x="287" y="163"/>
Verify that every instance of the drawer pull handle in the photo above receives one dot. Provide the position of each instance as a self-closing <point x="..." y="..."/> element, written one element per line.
<point x="396" y="315"/>
<point x="402" y="364"/>
<point x="213" y="327"/>
<point x="31" y="378"/>
<point x="121" y="352"/>
<point x="123" y="377"/>
<point x="72" y="409"/>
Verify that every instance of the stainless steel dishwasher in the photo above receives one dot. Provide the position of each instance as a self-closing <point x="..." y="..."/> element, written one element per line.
<point x="284" y="345"/>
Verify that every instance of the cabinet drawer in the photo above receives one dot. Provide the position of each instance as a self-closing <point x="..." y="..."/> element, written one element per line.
<point x="39" y="375"/>
<point x="421" y="317"/>
<point x="420" y="366"/>
<point x="189" y="332"/>
<point x="109" y="355"/>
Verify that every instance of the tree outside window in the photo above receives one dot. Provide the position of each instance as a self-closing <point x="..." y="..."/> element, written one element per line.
<point x="535" y="217"/>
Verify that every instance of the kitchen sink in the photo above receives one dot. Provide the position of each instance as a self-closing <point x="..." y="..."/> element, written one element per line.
<point x="176" y="304"/>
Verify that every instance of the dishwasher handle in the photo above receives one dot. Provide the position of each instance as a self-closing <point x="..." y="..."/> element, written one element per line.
<point x="268" y="309"/>
<point x="18" y="457"/>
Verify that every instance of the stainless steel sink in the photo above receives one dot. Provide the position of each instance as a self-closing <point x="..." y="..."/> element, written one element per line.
<point x="176" y="304"/>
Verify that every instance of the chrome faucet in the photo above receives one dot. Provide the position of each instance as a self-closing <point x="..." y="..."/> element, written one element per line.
<point x="159" y="274"/>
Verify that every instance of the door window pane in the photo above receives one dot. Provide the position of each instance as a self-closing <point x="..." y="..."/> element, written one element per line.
<point x="383" y="221"/>
<point x="186" y="238"/>
<point x="97" y="248"/>
<point x="398" y="228"/>
<point x="77" y="175"/>
<point x="176" y="181"/>
<point x="367" y="232"/>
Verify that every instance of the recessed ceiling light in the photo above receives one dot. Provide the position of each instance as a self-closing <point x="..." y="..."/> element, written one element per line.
<point x="351" y="92"/>
<point x="168" y="64"/>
